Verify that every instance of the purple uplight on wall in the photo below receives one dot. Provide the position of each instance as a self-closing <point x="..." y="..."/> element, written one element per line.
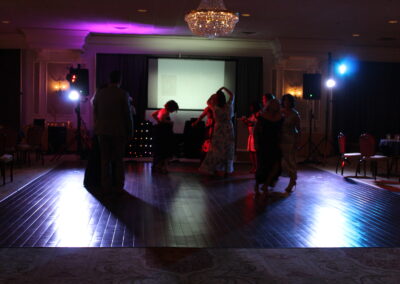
<point x="122" y="28"/>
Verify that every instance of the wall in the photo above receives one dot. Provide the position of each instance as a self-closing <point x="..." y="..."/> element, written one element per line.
<point x="41" y="70"/>
<point x="177" y="46"/>
<point x="44" y="47"/>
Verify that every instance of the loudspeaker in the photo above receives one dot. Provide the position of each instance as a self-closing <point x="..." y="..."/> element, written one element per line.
<point x="57" y="138"/>
<point x="312" y="86"/>
<point x="193" y="138"/>
<point x="79" y="80"/>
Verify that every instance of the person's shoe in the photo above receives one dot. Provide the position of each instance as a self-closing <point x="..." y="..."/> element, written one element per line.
<point x="289" y="188"/>
<point x="273" y="183"/>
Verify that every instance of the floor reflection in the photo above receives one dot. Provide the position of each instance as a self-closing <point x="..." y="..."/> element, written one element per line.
<point x="185" y="209"/>
<point x="74" y="210"/>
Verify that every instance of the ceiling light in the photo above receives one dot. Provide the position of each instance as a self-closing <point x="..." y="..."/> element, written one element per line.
<point x="355" y="35"/>
<point x="142" y="10"/>
<point x="211" y="19"/>
<point x="6" y="22"/>
<point x="245" y="15"/>
<point x="393" y="22"/>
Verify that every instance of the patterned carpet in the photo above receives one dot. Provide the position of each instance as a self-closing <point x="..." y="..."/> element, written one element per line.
<point x="186" y="265"/>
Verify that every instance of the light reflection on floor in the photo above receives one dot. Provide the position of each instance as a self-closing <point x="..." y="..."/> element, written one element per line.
<point x="185" y="209"/>
<point x="73" y="213"/>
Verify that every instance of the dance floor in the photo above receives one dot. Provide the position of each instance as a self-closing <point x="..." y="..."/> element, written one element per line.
<point x="186" y="209"/>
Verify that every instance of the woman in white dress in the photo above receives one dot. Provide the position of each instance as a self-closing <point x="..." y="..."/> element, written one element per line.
<point x="290" y="139"/>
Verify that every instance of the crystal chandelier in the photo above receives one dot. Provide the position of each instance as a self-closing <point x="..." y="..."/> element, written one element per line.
<point x="211" y="19"/>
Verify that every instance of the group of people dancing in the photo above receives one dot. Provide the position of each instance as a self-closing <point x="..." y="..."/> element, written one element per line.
<point x="274" y="136"/>
<point x="274" y="128"/>
<point x="220" y="142"/>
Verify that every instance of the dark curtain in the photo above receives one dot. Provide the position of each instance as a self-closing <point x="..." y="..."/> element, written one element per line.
<point x="134" y="76"/>
<point x="368" y="101"/>
<point x="10" y="81"/>
<point x="249" y="83"/>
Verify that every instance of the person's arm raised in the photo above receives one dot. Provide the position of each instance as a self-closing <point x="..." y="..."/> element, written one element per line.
<point x="230" y="94"/>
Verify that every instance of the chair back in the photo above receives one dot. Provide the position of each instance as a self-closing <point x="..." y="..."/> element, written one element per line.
<point x="34" y="136"/>
<point x="11" y="139"/>
<point x="367" y="145"/>
<point x="2" y="143"/>
<point x="342" y="143"/>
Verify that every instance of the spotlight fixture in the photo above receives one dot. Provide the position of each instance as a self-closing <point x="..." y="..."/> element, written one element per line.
<point x="393" y="22"/>
<point x="330" y="83"/>
<point x="74" y="95"/>
<point x="346" y="66"/>
<point x="79" y="80"/>
<point x="355" y="35"/>
<point x="342" y="69"/>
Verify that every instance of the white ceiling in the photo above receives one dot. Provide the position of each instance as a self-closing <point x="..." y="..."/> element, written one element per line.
<point x="270" y="19"/>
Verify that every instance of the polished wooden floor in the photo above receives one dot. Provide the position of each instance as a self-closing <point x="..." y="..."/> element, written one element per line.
<point x="185" y="209"/>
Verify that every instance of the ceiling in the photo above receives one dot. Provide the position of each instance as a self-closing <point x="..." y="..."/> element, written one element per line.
<point x="269" y="19"/>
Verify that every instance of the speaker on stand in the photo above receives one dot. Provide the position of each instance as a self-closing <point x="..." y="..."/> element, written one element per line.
<point x="312" y="93"/>
<point x="326" y="140"/>
<point x="312" y="86"/>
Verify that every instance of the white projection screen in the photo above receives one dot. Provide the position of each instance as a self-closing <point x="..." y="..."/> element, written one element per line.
<point x="190" y="82"/>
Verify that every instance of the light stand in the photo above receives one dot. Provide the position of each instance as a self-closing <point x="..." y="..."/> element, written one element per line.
<point x="330" y="84"/>
<point x="78" y="135"/>
<point x="312" y="148"/>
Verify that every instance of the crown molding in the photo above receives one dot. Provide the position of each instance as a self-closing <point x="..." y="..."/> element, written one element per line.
<point x="55" y="38"/>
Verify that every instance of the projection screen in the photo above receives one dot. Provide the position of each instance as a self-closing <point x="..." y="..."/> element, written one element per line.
<point x="190" y="82"/>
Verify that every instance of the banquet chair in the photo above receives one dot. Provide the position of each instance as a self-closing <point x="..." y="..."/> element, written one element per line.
<point x="344" y="156"/>
<point x="368" y="153"/>
<point x="5" y="159"/>
<point x="11" y="141"/>
<point x="33" y="144"/>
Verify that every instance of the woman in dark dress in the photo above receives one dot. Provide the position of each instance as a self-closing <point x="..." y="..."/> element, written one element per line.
<point x="267" y="135"/>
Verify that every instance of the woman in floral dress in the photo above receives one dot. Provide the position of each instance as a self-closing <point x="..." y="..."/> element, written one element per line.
<point x="219" y="160"/>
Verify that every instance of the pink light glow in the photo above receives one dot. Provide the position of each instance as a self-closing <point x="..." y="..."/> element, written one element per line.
<point x="121" y="28"/>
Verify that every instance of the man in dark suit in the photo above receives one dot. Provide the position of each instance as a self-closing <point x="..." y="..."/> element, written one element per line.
<point x="113" y="126"/>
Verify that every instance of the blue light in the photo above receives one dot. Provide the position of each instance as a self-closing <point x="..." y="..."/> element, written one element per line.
<point x="342" y="69"/>
<point x="346" y="66"/>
